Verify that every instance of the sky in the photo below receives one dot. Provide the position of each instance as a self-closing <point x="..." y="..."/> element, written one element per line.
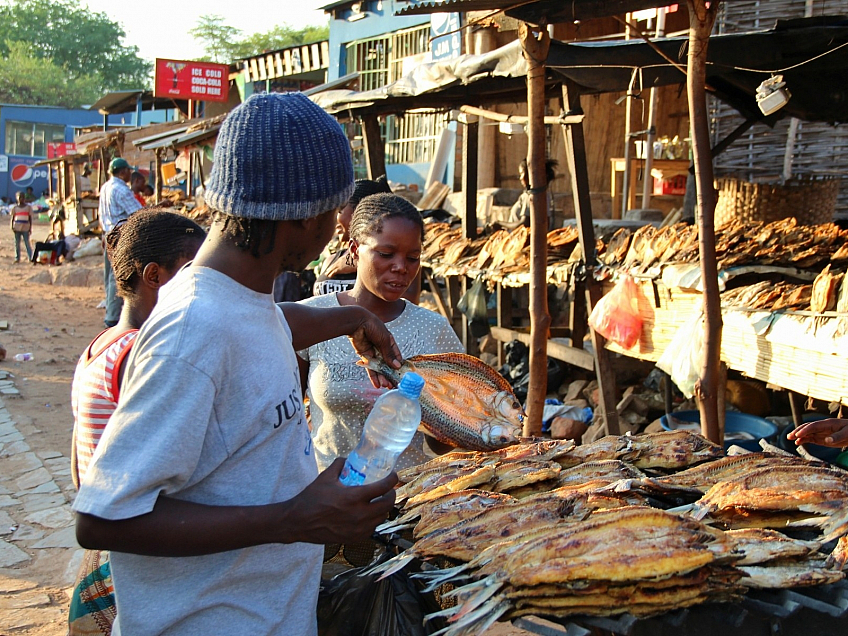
<point x="159" y="28"/>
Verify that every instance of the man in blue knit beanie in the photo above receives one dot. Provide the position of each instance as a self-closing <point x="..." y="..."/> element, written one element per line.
<point x="205" y="486"/>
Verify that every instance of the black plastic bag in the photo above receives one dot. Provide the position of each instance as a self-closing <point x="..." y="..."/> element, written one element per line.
<point x="351" y="604"/>
<point x="473" y="305"/>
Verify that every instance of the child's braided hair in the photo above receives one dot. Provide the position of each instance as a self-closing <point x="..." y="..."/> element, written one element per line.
<point x="369" y="215"/>
<point x="153" y="235"/>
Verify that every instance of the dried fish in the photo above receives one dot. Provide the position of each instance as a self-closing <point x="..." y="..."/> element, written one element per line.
<point x="464" y="403"/>
<point x="789" y="575"/>
<point x="760" y="546"/>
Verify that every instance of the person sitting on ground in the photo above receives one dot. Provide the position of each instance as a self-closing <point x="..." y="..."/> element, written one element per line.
<point x="204" y="485"/>
<point x="831" y="432"/>
<point x="22" y="225"/>
<point x="146" y="252"/>
<point x="29" y="195"/>
<point x="519" y="214"/>
<point x="338" y="272"/>
<point x="386" y="233"/>
<point x="137" y="183"/>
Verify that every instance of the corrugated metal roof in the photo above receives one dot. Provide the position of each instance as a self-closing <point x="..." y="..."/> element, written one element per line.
<point x="127" y="101"/>
<point x="536" y="10"/>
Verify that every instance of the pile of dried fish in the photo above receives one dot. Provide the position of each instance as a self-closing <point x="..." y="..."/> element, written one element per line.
<point x="829" y="292"/>
<point x="550" y="529"/>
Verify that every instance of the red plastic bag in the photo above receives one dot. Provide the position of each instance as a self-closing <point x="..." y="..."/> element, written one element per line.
<point x="616" y="316"/>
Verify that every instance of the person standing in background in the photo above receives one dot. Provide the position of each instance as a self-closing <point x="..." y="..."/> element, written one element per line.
<point x="137" y="183"/>
<point x="117" y="203"/>
<point x="22" y="225"/>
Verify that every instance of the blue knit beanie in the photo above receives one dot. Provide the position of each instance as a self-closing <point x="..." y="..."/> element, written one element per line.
<point x="280" y="156"/>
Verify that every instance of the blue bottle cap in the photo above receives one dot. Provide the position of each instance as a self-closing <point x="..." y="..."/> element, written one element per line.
<point x="411" y="385"/>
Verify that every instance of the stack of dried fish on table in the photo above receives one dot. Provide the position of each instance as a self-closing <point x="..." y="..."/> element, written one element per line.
<point x="828" y="292"/>
<point x="782" y="243"/>
<point x="494" y="256"/>
<point x="550" y="529"/>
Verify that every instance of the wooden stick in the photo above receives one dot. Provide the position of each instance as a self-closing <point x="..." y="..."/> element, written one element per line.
<point x="701" y="21"/>
<point x="520" y="119"/>
<point x="535" y="43"/>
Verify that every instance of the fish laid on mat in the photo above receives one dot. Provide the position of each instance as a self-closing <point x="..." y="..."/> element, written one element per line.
<point x="838" y="559"/>
<point x="493" y="525"/>
<point x="625" y="547"/>
<point x="776" y="492"/>
<point x="422" y="490"/>
<point x="801" y="574"/>
<point x="667" y="449"/>
<point x="445" y="511"/>
<point x="705" y="476"/>
<point x="465" y="402"/>
<point x="760" y="545"/>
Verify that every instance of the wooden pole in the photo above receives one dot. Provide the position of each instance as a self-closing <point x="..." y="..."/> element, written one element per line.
<point x="469" y="174"/>
<point x="535" y="43"/>
<point x="575" y="152"/>
<point x="375" y="151"/>
<point x="701" y="19"/>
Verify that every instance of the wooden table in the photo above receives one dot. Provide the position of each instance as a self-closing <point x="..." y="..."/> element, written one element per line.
<point x="635" y="189"/>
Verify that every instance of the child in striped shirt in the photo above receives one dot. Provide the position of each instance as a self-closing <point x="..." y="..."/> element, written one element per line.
<point x="146" y="251"/>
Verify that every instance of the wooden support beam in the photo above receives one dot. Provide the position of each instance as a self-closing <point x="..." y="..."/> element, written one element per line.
<point x="575" y="150"/>
<point x="503" y="297"/>
<point x="708" y="387"/>
<point x="796" y="402"/>
<point x="469" y="176"/>
<point x="375" y="150"/>
<point x="441" y="303"/>
<point x="519" y="119"/>
<point x="559" y="350"/>
<point x="535" y="43"/>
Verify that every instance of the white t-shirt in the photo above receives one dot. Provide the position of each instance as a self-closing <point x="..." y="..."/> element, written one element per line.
<point x="340" y="393"/>
<point x="210" y="412"/>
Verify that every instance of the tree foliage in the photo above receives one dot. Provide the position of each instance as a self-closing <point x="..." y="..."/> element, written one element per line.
<point x="26" y="78"/>
<point x="223" y="43"/>
<point x="88" y="46"/>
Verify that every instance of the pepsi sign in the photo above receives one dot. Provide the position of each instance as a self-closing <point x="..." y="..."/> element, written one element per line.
<point x="23" y="175"/>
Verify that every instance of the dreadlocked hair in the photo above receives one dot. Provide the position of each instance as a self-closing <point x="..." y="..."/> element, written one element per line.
<point x="369" y="215"/>
<point x="247" y="234"/>
<point x="153" y="235"/>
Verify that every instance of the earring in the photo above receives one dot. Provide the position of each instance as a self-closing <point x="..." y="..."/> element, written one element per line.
<point x="349" y="259"/>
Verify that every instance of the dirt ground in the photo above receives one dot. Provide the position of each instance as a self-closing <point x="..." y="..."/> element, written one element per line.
<point x="52" y="313"/>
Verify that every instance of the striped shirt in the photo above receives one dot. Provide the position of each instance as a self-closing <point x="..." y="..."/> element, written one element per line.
<point x="94" y="394"/>
<point x="117" y="203"/>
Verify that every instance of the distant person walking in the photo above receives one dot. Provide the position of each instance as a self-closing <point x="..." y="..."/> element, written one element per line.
<point x="117" y="203"/>
<point x="22" y="225"/>
<point x="137" y="183"/>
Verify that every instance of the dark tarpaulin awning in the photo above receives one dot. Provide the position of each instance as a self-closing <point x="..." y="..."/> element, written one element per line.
<point x="819" y="87"/>
<point x="127" y="102"/>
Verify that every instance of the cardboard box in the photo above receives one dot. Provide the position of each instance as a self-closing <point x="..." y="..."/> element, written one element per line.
<point x="669" y="182"/>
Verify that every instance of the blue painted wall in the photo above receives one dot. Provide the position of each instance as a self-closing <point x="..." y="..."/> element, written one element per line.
<point x="24" y="174"/>
<point x="378" y="22"/>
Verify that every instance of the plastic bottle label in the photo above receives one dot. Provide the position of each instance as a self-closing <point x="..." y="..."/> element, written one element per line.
<point x="350" y="476"/>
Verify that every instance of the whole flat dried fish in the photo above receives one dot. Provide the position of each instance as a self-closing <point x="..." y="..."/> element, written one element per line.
<point x="464" y="403"/>
<point x="789" y="575"/>
<point x="760" y="545"/>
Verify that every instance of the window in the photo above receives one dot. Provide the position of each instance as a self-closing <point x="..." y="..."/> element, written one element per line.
<point x="30" y="139"/>
<point x="411" y="138"/>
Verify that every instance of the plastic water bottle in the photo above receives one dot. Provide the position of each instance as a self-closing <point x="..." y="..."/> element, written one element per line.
<point x="23" y="357"/>
<point x="388" y="430"/>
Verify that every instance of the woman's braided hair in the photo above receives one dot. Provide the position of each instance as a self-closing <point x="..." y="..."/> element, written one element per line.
<point x="152" y="235"/>
<point x="369" y="215"/>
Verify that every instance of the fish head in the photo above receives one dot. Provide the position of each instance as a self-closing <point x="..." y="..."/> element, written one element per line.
<point x="498" y="435"/>
<point x="508" y="419"/>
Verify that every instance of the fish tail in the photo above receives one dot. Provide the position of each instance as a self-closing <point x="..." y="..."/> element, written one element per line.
<point x="391" y="527"/>
<point x="391" y="566"/>
<point x="440" y="577"/>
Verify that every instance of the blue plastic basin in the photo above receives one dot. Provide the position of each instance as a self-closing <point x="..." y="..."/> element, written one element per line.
<point x="740" y="429"/>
